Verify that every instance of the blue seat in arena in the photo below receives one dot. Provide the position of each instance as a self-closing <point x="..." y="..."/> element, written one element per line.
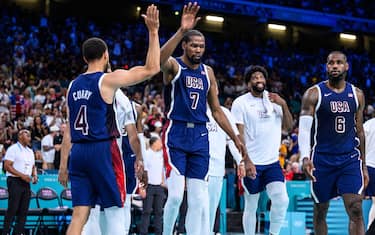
<point x="53" y="213"/>
<point x="4" y="195"/>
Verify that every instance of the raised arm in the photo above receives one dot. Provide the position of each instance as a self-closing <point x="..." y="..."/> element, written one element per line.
<point x="120" y="78"/>
<point x="188" y="21"/>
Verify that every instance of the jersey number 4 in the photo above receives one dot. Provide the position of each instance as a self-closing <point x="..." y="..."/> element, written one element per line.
<point x="80" y="124"/>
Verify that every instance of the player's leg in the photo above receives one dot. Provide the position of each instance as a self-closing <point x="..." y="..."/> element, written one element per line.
<point x="174" y="141"/>
<point x="215" y="184"/>
<point x="279" y="204"/>
<point x="350" y="186"/>
<point x="320" y="214"/>
<point x="176" y="185"/>
<point x="127" y="212"/>
<point x="197" y="213"/>
<point x="249" y="212"/>
<point x="323" y="189"/>
<point x="79" y="218"/>
<point x="276" y="190"/>
<point x="197" y="217"/>
<point x="81" y="186"/>
<point x="92" y="224"/>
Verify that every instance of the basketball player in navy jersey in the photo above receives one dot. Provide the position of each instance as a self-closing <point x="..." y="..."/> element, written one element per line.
<point x="96" y="170"/>
<point x="336" y="163"/>
<point x="190" y="85"/>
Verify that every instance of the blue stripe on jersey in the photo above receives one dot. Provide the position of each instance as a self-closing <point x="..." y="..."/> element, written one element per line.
<point x="90" y="118"/>
<point x="188" y="94"/>
<point x="335" y="129"/>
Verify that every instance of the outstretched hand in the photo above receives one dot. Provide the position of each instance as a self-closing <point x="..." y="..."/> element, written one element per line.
<point x="152" y="18"/>
<point x="188" y="18"/>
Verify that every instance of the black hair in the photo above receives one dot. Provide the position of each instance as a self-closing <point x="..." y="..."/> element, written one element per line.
<point x="337" y="52"/>
<point x="191" y="33"/>
<point x="252" y="69"/>
<point x="93" y="49"/>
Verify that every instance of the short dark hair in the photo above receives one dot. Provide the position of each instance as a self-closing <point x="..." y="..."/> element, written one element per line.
<point x="337" y="52"/>
<point x="93" y="49"/>
<point x="191" y="33"/>
<point x="252" y="69"/>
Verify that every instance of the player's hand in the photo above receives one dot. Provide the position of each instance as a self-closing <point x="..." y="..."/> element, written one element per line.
<point x="188" y="18"/>
<point x="275" y="98"/>
<point x="366" y="177"/>
<point x="139" y="168"/>
<point x="308" y="168"/>
<point x="63" y="177"/>
<point x="152" y="18"/>
<point x="250" y="168"/>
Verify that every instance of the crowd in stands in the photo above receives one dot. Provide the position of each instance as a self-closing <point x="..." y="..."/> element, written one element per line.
<point x="355" y="8"/>
<point x="39" y="56"/>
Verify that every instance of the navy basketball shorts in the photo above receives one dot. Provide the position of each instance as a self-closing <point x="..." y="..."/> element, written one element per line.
<point x="370" y="190"/>
<point x="336" y="175"/>
<point x="187" y="148"/>
<point x="96" y="173"/>
<point x="265" y="174"/>
<point x="131" y="180"/>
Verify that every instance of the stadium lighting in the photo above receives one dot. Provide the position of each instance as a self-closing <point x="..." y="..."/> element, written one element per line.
<point x="138" y="8"/>
<point x="346" y="36"/>
<point x="217" y="19"/>
<point x="277" y="27"/>
<point x="176" y="13"/>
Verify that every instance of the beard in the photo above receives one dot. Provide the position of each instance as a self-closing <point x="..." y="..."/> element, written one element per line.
<point x="194" y="60"/>
<point x="337" y="77"/>
<point x="257" y="88"/>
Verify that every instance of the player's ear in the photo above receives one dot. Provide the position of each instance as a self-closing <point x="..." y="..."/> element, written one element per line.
<point x="183" y="45"/>
<point x="346" y="66"/>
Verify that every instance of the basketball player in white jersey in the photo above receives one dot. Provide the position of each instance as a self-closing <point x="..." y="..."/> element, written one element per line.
<point x="260" y="117"/>
<point x="218" y="140"/>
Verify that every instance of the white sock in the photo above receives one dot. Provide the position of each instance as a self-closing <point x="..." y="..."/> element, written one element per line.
<point x="127" y="211"/>
<point x="215" y="184"/>
<point x="176" y="186"/>
<point x="114" y="220"/>
<point x="250" y="213"/>
<point x="279" y="205"/>
<point x="92" y="224"/>
<point x="197" y="216"/>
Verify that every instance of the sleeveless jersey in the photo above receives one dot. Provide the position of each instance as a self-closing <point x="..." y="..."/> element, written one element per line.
<point x="335" y="129"/>
<point x="90" y="117"/>
<point x="187" y="94"/>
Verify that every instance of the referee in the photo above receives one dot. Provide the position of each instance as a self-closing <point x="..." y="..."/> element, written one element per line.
<point x="20" y="169"/>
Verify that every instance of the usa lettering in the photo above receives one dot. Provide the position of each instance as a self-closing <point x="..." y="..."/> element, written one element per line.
<point x="82" y="94"/>
<point x="339" y="107"/>
<point x="194" y="82"/>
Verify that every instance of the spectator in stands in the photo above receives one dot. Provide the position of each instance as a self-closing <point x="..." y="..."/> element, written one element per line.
<point x="20" y="171"/>
<point x="49" y="148"/>
<point x="155" y="192"/>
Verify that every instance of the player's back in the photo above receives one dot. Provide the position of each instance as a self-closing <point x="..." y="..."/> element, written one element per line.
<point x="188" y="94"/>
<point x="91" y="118"/>
<point x="335" y="120"/>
